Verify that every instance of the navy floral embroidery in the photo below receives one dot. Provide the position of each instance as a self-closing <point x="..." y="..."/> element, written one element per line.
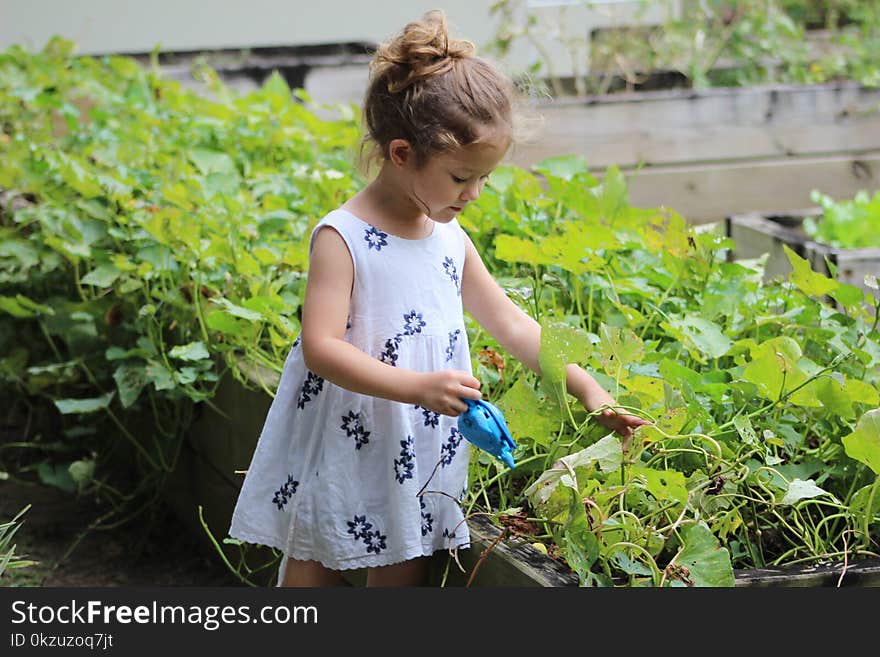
<point x="453" y="338"/>
<point x="413" y="323"/>
<point x="447" y="534"/>
<point x="297" y="341"/>
<point x="427" y="519"/>
<point x="359" y="528"/>
<point x="452" y="272"/>
<point x="348" y="323"/>
<point x="375" y="238"/>
<point x="390" y="354"/>
<point x="311" y="386"/>
<point x="375" y="542"/>
<point x="432" y="419"/>
<point x="403" y="467"/>
<point x="283" y="494"/>
<point x="447" y="451"/>
<point x="353" y="428"/>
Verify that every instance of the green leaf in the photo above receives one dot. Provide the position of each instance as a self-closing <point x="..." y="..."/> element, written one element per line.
<point x="808" y="281"/>
<point x="620" y="347"/>
<point x="707" y="562"/>
<point x="159" y="375"/>
<point x="662" y="484"/>
<point x="561" y="344"/>
<point x="82" y="473"/>
<point x="192" y="351"/>
<point x="746" y="431"/>
<point x="704" y="339"/>
<point x="238" y="311"/>
<point x="71" y="406"/>
<point x="607" y="453"/>
<point x="56" y="475"/>
<point x="562" y="166"/>
<point x="209" y="162"/>
<point x="102" y="276"/>
<point x="798" y="489"/>
<point x="863" y="444"/>
<point x="130" y="380"/>
<point x="528" y="413"/>
<point x="580" y="546"/>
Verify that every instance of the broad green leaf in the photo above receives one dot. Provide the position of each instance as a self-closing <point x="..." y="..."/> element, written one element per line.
<point x="220" y="321"/>
<point x="130" y="380"/>
<point x="620" y="347"/>
<point x="663" y="485"/>
<point x="746" y="431"/>
<point x="102" y="276"/>
<point x="82" y="472"/>
<point x="562" y="166"/>
<point x="209" y="161"/>
<point x="862" y="497"/>
<point x="708" y="563"/>
<point x="238" y="311"/>
<point x="70" y="406"/>
<point x="516" y="249"/>
<point x="704" y="339"/>
<point x="159" y="375"/>
<point x="561" y="344"/>
<point x="810" y="282"/>
<point x="607" y="453"/>
<point x="798" y="489"/>
<point x="863" y="444"/>
<point x="774" y="370"/>
<point x="57" y="475"/>
<point x="581" y="548"/>
<point x="192" y="351"/>
<point x="527" y="413"/>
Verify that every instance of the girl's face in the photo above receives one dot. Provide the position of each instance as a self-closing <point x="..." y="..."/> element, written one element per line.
<point x="448" y="182"/>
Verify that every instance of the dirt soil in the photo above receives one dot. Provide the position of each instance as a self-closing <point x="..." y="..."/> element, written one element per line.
<point x="153" y="550"/>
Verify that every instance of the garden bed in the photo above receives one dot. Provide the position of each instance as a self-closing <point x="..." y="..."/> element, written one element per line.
<point x="756" y="233"/>
<point x="218" y="446"/>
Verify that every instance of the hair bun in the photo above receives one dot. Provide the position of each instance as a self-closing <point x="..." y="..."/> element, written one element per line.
<point x="421" y="50"/>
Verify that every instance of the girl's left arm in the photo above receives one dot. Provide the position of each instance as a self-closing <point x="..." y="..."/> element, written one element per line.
<point x="520" y="335"/>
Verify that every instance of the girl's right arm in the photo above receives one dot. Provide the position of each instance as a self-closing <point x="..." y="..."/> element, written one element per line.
<point x="327" y="354"/>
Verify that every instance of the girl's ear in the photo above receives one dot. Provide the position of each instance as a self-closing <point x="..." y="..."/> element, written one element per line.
<point x="400" y="152"/>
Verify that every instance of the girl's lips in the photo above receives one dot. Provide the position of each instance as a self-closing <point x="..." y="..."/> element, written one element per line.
<point x="456" y="208"/>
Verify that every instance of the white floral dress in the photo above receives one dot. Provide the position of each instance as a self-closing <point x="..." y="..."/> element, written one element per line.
<point x="336" y="474"/>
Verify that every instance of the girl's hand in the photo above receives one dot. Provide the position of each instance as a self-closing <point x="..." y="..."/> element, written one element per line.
<point x="442" y="391"/>
<point x="611" y="417"/>
<point x="623" y="425"/>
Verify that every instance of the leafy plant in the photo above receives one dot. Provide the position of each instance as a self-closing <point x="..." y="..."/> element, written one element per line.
<point x="697" y="44"/>
<point x="153" y="240"/>
<point x="8" y="557"/>
<point x="851" y="223"/>
<point x="150" y="241"/>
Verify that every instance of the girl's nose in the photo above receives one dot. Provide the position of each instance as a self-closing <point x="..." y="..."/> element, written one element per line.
<point x="471" y="192"/>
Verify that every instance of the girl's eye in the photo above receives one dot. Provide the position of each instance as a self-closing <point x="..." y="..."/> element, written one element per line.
<point x="459" y="180"/>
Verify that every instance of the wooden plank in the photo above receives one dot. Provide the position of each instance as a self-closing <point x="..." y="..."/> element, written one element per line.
<point x="510" y="562"/>
<point x="712" y="192"/>
<point x="710" y="125"/>
<point x="862" y="573"/>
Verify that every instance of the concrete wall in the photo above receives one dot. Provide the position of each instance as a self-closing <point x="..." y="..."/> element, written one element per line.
<point x="138" y="26"/>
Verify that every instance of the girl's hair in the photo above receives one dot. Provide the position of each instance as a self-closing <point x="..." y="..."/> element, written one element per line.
<point x="432" y="91"/>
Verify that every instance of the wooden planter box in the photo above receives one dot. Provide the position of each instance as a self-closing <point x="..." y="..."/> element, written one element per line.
<point x="217" y="446"/>
<point x="758" y="233"/>
<point x="713" y="152"/>
<point x="706" y="153"/>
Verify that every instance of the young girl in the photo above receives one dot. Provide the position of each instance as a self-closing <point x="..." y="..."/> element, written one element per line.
<point x="366" y="408"/>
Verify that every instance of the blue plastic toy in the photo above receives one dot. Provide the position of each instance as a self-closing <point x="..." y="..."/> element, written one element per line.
<point x="484" y="426"/>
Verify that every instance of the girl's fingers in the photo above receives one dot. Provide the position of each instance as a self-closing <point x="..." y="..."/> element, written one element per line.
<point x="471" y="393"/>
